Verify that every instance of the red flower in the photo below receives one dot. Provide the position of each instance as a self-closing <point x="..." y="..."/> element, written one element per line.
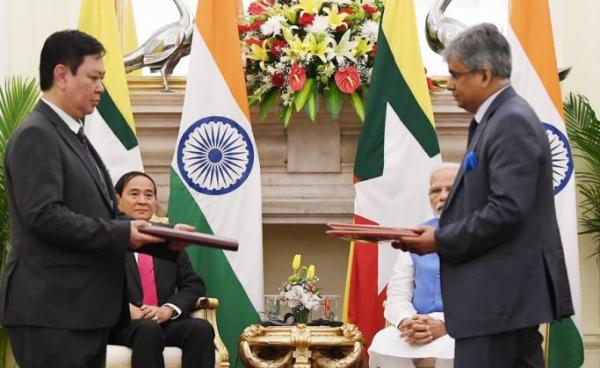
<point x="342" y="27"/>
<point x="347" y="11"/>
<point x="277" y="79"/>
<point x="258" y="7"/>
<point x="297" y="77"/>
<point x="369" y="8"/>
<point x="306" y="19"/>
<point x="254" y="41"/>
<point x="243" y="28"/>
<point x="347" y="79"/>
<point x="276" y="48"/>
<point x="250" y="27"/>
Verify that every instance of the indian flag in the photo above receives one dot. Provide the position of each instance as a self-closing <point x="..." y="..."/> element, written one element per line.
<point x="396" y="152"/>
<point x="111" y="127"/>
<point x="535" y="78"/>
<point x="215" y="177"/>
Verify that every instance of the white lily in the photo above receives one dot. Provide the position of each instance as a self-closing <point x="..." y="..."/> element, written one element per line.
<point x="343" y="49"/>
<point x="320" y="24"/>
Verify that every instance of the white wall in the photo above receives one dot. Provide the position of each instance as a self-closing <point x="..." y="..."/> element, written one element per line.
<point x="3" y="39"/>
<point x="29" y="24"/>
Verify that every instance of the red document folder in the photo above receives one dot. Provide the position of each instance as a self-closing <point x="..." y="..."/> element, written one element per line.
<point x="369" y="233"/>
<point x="206" y="240"/>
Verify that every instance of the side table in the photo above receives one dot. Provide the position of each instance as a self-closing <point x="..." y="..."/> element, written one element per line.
<point x="301" y="346"/>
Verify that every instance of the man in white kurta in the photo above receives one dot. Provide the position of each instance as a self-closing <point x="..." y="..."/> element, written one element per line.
<point x="414" y="303"/>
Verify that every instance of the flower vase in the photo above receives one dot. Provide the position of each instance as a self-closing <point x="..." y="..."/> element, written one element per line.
<point x="300" y="314"/>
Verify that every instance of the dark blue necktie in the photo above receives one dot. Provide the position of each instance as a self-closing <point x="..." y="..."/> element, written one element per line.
<point x="472" y="127"/>
<point x="85" y="145"/>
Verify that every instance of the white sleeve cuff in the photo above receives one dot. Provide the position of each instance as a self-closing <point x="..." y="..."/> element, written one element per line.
<point x="175" y="308"/>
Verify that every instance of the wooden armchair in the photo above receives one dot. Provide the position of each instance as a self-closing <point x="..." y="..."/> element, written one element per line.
<point x="120" y="356"/>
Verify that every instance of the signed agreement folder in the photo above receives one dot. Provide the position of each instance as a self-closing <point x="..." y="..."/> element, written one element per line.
<point x="369" y="233"/>
<point x="211" y="241"/>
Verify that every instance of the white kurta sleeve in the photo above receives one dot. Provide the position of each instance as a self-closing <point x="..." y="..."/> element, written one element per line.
<point x="400" y="290"/>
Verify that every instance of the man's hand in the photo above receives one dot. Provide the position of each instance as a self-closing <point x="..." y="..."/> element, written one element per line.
<point x="424" y="243"/>
<point x="180" y="245"/>
<point x="137" y="239"/>
<point x="157" y="314"/>
<point x="135" y="312"/>
<point x="421" y="329"/>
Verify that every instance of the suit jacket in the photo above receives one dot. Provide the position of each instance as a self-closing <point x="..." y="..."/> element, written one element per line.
<point x="176" y="283"/>
<point x="65" y="267"/>
<point x="502" y="261"/>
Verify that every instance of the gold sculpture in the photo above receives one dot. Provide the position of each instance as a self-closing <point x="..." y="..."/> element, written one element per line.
<point x="301" y="346"/>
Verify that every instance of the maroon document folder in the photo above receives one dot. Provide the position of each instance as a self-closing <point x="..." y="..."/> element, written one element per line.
<point x="369" y="233"/>
<point x="206" y="240"/>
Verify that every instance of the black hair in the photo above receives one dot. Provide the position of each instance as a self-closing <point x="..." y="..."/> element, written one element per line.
<point x="68" y="48"/>
<point x="127" y="177"/>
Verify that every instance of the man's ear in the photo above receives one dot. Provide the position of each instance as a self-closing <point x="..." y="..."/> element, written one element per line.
<point x="486" y="78"/>
<point x="119" y="203"/>
<point x="60" y="75"/>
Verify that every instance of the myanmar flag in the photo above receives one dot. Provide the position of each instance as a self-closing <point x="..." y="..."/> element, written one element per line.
<point x="111" y="127"/>
<point x="215" y="177"/>
<point x="396" y="152"/>
<point x="535" y="78"/>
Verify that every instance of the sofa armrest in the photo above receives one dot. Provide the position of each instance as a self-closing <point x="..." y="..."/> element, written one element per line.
<point x="206" y="308"/>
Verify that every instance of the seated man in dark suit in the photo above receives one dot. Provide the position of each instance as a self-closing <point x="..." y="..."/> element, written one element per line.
<point x="161" y="294"/>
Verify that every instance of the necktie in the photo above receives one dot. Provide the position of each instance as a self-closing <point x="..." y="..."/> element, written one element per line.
<point x="85" y="144"/>
<point x="472" y="127"/>
<point x="146" y="269"/>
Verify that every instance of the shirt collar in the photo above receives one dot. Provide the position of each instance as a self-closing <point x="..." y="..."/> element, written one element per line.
<point x="486" y="105"/>
<point x="73" y="124"/>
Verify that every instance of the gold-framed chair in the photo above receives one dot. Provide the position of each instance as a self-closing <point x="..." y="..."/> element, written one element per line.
<point x="120" y="356"/>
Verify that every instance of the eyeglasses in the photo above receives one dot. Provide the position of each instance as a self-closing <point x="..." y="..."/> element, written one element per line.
<point x="457" y="75"/>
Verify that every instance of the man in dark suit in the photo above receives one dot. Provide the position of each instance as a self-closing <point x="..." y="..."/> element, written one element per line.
<point x="63" y="285"/>
<point x="161" y="294"/>
<point x="502" y="262"/>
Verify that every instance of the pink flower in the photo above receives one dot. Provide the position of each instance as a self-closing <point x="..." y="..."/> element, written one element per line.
<point x="277" y="48"/>
<point x="297" y="77"/>
<point x="347" y="79"/>
<point x="306" y="19"/>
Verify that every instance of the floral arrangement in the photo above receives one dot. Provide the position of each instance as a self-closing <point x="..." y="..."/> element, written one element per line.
<point x="297" y="50"/>
<point x="300" y="291"/>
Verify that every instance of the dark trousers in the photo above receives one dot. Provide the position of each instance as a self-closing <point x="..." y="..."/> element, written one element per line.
<point x="147" y="339"/>
<point x="41" y="347"/>
<point x="515" y="349"/>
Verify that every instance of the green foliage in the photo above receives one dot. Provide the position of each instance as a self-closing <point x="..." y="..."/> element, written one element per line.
<point x="358" y="105"/>
<point x="333" y="100"/>
<point x="583" y="128"/>
<point x="301" y="97"/>
<point x="17" y="98"/>
<point x="266" y="104"/>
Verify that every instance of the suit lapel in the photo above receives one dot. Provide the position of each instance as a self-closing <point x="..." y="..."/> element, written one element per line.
<point x="132" y="266"/>
<point x="157" y="270"/>
<point x="73" y="142"/>
<point x="498" y="101"/>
